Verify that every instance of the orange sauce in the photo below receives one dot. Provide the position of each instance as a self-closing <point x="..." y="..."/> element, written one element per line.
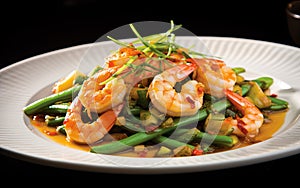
<point x="50" y="132"/>
<point x="266" y="131"/>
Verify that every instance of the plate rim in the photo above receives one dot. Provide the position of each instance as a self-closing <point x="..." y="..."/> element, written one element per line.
<point x="91" y="44"/>
<point x="174" y="169"/>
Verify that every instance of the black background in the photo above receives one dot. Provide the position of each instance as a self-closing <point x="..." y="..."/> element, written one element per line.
<point x="35" y="27"/>
<point x="31" y="28"/>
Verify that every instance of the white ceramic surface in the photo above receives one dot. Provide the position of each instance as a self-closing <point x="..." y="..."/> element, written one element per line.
<point x="29" y="80"/>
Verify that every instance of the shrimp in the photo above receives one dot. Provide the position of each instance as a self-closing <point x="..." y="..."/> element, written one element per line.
<point x="121" y="56"/>
<point x="87" y="133"/>
<point x="215" y="76"/>
<point x="166" y="99"/>
<point x="99" y="98"/>
<point x="143" y="66"/>
<point x="252" y="118"/>
<point x="146" y="68"/>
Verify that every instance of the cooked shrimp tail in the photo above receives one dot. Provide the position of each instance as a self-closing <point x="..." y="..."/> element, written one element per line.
<point x="252" y="119"/>
<point x="87" y="133"/>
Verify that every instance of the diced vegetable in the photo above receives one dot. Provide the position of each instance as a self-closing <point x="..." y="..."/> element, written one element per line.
<point x="120" y="121"/>
<point x="139" y="148"/>
<point x="168" y="122"/>
<point x="68" y="81"/>
<point x="237" y="89"/>
<point x="182" y="151"/>
<point x="214" y="125"/>
<point x="163" y="152"/>
<point x="258" y="97"/>
<point x="147" y="118"/>
<point x="239" y="79"/>
<point x="134" y="92"/>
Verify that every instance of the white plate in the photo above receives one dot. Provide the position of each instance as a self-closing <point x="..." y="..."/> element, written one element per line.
<point x="27" y="80"/>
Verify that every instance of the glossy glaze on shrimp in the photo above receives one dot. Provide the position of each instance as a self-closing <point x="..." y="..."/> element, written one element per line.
<point x="99" y="98"/>
<point x="248" y="125"/>
<point x="121" y="56"/>
<point x="215" y="75"/>
<point x="143" y="66"/>
<point x="166" y="99"/>
<point x="86" y="133"/>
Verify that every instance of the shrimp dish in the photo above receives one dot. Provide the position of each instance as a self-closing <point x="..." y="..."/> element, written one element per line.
<point x="155" y="98"/>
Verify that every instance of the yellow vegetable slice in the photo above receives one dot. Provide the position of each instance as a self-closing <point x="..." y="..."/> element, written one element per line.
<point x="66" y="82"/>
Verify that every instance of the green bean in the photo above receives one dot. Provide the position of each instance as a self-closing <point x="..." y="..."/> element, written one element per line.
<point x="171" y="143"/>
<point x="126" y="143"/>
<point x="135" y="111"/>
<point x="185" y="135"/>
<point x="196" y="135"/>
<point x="278" y="101"/>
<point x="55" y="109"/>
<point x="245" y="88"/>
<point x="238" y="70"/>
<point x="278" y="107"/>
<point x="37" y="105"/>
<point x="220" y="105"/>
<point x="141" y="137"/>
<point x="264" y="82"/>
<point x="278" y="104"/>
<point x="57" y="121"/>
<point x="143" y="101"/>
<point x="221" y="140"/>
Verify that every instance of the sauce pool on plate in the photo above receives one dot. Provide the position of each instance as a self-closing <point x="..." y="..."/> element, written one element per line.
<point x="267" y="130"/>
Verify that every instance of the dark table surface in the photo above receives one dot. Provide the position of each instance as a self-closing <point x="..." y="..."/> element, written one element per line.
<point x="30" y="29"/>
